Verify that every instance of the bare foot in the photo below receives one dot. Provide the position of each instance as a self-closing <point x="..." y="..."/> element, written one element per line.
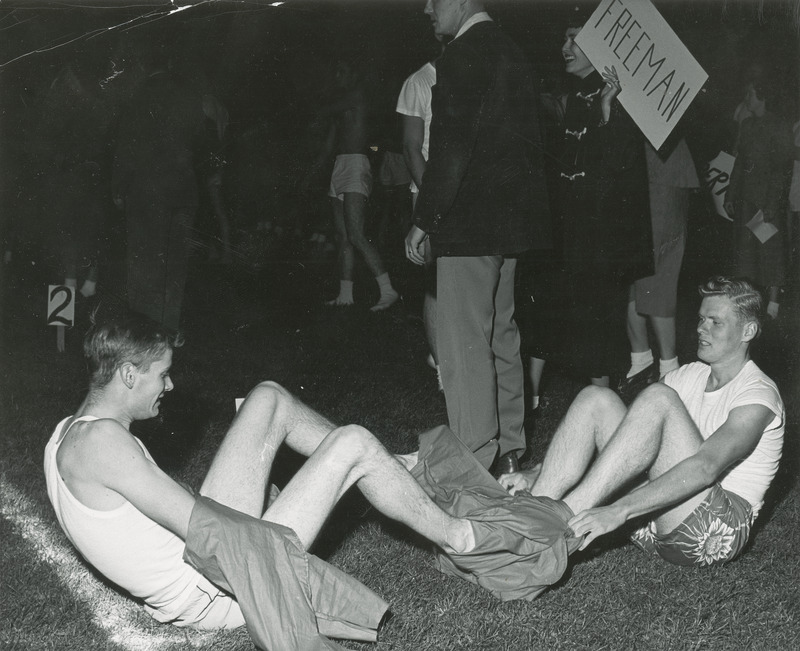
<point x="339" y="302"/>
<point x="533" y="474"/>
<point x="522" y="481"/>
<point x="386" y="301"/>
<point x="462" y="540"/>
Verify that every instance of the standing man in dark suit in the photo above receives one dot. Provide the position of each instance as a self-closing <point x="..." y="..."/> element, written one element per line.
<point x="482" y="202"/>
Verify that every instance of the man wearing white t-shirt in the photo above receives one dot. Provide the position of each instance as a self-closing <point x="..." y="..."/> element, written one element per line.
<point x="414" y="104"/>
<point x="704" y="445"/>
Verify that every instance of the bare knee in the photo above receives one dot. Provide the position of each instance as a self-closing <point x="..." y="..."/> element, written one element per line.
<point x="269" y="394"/>
<point x="657" y="397"/>
<point x="354" y="442"/>
<point x="598" y="399"/>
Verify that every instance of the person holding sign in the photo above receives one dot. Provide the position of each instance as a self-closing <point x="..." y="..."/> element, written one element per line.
<point x="756" y="196"/>
<point x="604" y="223"/>
<point x="150" y="535"/>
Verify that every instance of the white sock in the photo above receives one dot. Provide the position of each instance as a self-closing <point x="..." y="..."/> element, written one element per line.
<point x="88" y="288"/>
<point x="772" y="309"/>
<point x="639" y="362"/>
<point x="534" y="402"/>
<point x="667" y="365"/>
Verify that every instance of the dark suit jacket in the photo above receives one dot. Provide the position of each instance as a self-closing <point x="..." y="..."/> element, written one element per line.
<point x="483" y="191"/>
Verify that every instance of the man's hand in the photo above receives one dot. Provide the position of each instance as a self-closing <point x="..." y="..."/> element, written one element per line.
<point x="515" y="482"/>
<point x="596" y="522"/>
<point x="416" y="236"/>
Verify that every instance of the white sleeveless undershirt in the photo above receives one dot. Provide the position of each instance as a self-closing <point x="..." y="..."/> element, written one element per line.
<point x="123" y="544"/>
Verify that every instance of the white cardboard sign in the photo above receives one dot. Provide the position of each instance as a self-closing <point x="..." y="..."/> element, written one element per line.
<point x="60" y="305"/>
<point x="717" y="178"/>
<point x="658" y="75"/>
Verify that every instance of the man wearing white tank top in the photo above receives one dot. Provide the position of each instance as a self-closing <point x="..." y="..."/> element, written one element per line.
<point x="129" y="519"/>
<point x="696" y="452"/>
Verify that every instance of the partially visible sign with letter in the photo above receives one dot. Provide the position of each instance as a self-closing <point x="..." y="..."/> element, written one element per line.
<point x="717" y="178"/>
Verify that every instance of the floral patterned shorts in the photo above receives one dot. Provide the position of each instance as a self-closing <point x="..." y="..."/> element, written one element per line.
<point x="714" y="533"/>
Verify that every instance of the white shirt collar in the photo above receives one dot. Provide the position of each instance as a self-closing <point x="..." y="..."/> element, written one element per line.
<point x="480" y="17"/>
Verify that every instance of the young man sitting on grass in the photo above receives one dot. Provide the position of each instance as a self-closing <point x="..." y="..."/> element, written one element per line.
<point x="708" y="437"/>
<point x="130" y="520"/>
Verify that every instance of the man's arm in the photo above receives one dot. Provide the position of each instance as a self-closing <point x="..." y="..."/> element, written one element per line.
<point x="463" y="83"/>
<point x="734" y="440"/>
<point x="413" y="138"/>
<point x="114" y="460"/>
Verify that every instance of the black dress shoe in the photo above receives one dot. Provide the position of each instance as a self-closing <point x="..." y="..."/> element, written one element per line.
<point x="630" y="387"/>
<point x="505" y="464"/>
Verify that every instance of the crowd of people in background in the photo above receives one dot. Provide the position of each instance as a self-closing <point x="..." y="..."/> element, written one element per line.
<point x="594" y="245"/>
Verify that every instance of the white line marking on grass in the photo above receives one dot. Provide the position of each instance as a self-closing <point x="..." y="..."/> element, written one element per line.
<point x="110" y="610"/>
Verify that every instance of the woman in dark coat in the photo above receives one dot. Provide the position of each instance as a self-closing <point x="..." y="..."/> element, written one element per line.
<point x="760" y="182"/>
<point x="578" y="306"/>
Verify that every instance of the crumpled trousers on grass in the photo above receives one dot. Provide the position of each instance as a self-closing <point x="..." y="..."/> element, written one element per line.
<point x="522" y="542"/>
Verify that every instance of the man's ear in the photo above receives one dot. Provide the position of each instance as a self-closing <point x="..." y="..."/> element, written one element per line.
<point x="127" y="373"/>
<point x="750" y="331"/>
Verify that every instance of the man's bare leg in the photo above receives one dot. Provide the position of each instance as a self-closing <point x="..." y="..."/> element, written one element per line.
<point x="345" y="256"/>
<point x="656" y="433"/>
<point x="355" y="214"/>
<point x="589" y="423"/>
<point x="351" y="455"/>
<point x="269" y="416"/>
<point x="338" y="458"/>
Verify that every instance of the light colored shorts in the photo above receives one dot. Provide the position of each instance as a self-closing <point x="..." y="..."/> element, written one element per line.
<point x="351" y="173"/>
<point x="210" y="609"/>
<point x="714" y="533"/>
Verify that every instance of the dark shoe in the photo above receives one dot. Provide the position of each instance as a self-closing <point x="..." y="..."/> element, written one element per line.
<point x="630" y="387"/>
<point x="505" y="464"/>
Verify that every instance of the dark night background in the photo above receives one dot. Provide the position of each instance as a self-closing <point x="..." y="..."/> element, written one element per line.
<point x="67" y="69"/>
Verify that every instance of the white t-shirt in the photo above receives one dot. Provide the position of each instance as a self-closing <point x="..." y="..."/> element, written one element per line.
<point x="123" y="544"/>
<point x="750" y="477"/>
<point x="415" y="101"/>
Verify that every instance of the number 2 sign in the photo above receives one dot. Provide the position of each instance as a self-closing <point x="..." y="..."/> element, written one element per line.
<point x="60" y="305"/>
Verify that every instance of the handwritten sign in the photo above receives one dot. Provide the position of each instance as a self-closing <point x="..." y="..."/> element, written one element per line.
<point x="658" y="75"/>
<point x="717" y="178"/>
<point x="60" y="305"/>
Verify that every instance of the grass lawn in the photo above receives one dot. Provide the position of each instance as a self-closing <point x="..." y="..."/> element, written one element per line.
<point x="355" y="366"/>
